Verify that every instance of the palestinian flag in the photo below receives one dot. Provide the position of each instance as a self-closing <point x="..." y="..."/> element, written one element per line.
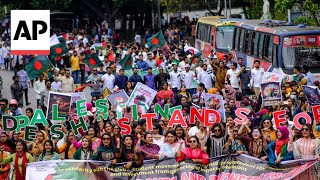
<point x="126" y="62"/>
<point x="58" y="50"/>
<point x="37" y="66"/>
<point x="156" y="41"/>
<point x="194" y="61"/>
<point x="92" y="60"/>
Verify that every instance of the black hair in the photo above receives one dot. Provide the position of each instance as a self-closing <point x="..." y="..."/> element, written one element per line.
<point x="24" y="144"/>
<point x="197" y="139"/>
<point x="4" y="100"/>
<point x="95" y="130"/>
<point x="298" y="68"/>
<point x="111" y="145"/>
<point x="134" y="125"/>
<point x="29" y="109"/>
<point x="51" y="143"/>
<point x="158" y="126"/>
<point x="256" y="61"/>
<point x="13" y="77"/>
<point x="305" y="67"/>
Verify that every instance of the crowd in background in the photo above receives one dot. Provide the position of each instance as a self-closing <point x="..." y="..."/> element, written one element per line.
<point x="228" y="77"/>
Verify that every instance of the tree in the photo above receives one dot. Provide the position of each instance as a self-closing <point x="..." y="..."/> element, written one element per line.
<point x="310" y="7"/>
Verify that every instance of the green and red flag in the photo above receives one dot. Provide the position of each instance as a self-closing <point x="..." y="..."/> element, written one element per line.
<point x="37" y="66"/>
<point x="92" y="60"/>
<point x="156" y="41"/>
<point x="58" y="50"/>
<point x="126" y="62"/>
<point x="194" y="61"/>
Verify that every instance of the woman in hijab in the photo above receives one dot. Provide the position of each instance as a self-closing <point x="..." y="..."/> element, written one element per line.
<point x="277" y="150"/>
<point x="229" y="93"/>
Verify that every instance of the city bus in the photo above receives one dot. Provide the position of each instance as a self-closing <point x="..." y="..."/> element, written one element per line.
<point x="278" y="45"/>
<point x="214" y="33"/>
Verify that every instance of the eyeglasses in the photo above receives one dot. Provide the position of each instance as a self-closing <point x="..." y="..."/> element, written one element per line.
<point x="105" y="138"/>
<point x="192" y="141"/>
<point x="304" y="129"/>
<point x="216" y="130"/>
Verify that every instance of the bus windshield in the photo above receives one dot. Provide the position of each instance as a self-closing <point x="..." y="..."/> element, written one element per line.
<point x="301" y="50"/>
<point x="224" y="37"/>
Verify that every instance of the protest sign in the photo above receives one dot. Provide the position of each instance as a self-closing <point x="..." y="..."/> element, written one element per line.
<point x="224" y="167"/>
<point x="271" y="93"/>
<point x="215" y="101"/>
<point x="63" y="102"/>
<point x="271" y="77"/>
<point x="74" y="98"/>
<point x="142" y="95"/>
<point x="312" y="94"/>
<point x="117" y="98"/>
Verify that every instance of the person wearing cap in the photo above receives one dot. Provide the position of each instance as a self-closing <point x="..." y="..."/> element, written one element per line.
<point x="161" y="78"/>
<point x="232" y="76"/>
<point x="150" y="61"/>
<point x="142" y="65"/>
<point x="182" y="64"/>
<point x="149" y="79"/>
<point x="175" y="80"/>
<point x="187" y="79"/>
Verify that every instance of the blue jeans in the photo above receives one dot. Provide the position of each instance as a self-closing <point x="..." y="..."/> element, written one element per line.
<point x="175" y="92"/>
<point x="75" y="75"/>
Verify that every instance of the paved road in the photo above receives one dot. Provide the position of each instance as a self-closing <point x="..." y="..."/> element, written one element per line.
<point x="7" y="81"/>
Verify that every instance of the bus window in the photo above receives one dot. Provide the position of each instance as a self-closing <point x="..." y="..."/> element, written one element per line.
<point x="265" y="50"/>
<point x="224" y="37"/>
<point x="237" y="39"/>
<point x="255" y="43"/>
<point x="275" y="55"/>
<point x="260" y="48"/>
<point x="252" y="40"/>
<point x="241" y="40"/>
<point x="270" y="46"/>
<point x="247" y="42"/>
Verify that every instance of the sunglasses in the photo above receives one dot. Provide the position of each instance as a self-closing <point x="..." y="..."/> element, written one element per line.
<point x="304" y="129"/>
<point x="12" y="105"/>
<point x="192" y="141"/>
<point x="106" y="138"/>
<point x="216" y="130"/>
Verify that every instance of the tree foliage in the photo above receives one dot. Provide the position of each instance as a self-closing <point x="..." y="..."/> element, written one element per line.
<point x="310" y="8"/>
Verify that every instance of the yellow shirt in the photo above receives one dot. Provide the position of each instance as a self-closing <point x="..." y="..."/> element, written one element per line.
<point x="74" y="60"/>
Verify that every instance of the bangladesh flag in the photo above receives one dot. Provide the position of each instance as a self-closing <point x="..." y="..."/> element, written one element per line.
<point x="58" y="50"/>
<point x="126" y="62"/>
<point x="156" y="41"/>
<point x="37" y="66"/>
<point x="92" y="60"/>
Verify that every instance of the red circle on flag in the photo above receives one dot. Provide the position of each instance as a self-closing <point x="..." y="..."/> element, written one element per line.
<point x="37" y="65"/>
<point x="59" y="50"/>
<point x="155" y="41"/>
<point x="58" y="58"/>
<point x="92" y="61"/>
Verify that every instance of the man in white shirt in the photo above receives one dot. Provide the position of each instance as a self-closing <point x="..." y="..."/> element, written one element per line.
<point x="256" y="77"/>
<point x="108" y="80"/>
<point x="1" y="57"/>
<point x="39" y="86"/>
<point x="232" y="76"/>
<point x="182" y="64"/>
<point x="175" y="80"/>
<point x="137" y="38"/>
<point x="6" y="55"/>
<point x="199" y="69"/>
<point x="206" y="77"/>
<point x="187" y="79"/>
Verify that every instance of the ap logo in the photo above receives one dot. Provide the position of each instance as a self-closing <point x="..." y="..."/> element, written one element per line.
<point x="30" y="32"/>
